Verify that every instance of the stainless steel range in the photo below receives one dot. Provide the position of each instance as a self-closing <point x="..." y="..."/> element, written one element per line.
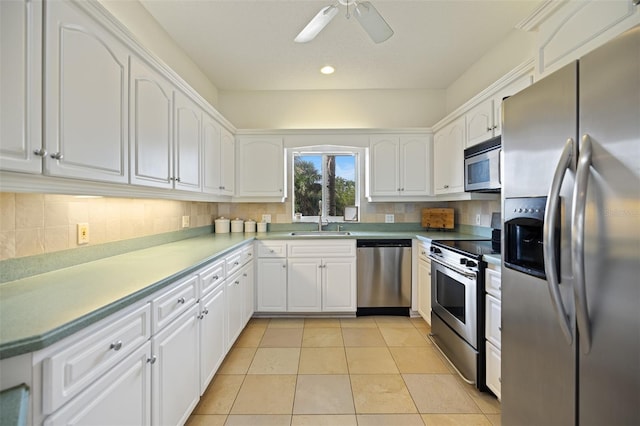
<point x="457" y="303"/>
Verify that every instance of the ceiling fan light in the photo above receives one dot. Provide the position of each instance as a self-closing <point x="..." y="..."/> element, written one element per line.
<point x="316" y="25"/>
<point x="372" y="22"/>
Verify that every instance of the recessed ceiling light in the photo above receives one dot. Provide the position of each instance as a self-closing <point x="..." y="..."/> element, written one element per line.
<point x="327" y="69"/>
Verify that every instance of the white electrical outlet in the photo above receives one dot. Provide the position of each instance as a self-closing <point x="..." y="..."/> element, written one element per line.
<point x="266" y="218"/>
<point x="389" y="218"/>
<point x="477" y="219"/>
<point x="83" y="233"/>
<point x="185" y="221"/>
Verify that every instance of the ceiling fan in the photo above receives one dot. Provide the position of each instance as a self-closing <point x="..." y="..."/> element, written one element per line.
<point x="372" y="22"/>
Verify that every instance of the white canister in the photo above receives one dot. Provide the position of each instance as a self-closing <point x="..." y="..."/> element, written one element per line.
<point x="250" y="226"/>
<point x="237" y="225"/>
<point x="222" y="225"/>
<point x="262" y="226"/>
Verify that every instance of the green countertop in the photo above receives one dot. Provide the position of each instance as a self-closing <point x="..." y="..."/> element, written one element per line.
<point x="38" y="311"/>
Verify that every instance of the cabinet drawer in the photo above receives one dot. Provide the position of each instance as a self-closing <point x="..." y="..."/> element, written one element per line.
<point x="247" y="254"/>
<point x="174" y="302"/>
<point x="493" y="325"/>
<point x="493" y="283"/>
<point x="334" y="248"/>
<point x="211" y="276"/>
<point x="423" y="251"/>
<point x="233" y="262"/>
<point x="494" y="373"/>
<point x="79" y="364"/>
<point x="272" y="249"/>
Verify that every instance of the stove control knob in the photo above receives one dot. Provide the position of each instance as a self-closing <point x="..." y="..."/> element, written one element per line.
<point x="435" y="250"/>
<point x="471" y="264"/>
<point x="463" y="261"/>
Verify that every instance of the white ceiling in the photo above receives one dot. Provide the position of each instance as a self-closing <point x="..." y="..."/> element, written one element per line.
<point x="248" y="44"/>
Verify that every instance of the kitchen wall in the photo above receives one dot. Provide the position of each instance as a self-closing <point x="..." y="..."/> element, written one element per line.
<point x="332" y="109"/>
<point x="33" y="224"/>
<point x="147" y="31"/>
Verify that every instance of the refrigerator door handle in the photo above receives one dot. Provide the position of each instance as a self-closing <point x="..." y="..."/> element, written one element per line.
<point x="577" y="243"/>
<point x="549" y="237"/>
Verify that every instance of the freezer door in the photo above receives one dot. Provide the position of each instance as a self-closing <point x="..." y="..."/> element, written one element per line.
<point x="538" y="362"/>
<point x="609" y="373"/>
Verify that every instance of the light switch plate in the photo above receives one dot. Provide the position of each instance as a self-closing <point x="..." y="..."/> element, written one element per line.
<point x="266" y="218"/>
<point x="389" y="218"/>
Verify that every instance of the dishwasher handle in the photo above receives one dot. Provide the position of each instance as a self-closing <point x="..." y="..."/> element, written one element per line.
<point x="371" y="243"/>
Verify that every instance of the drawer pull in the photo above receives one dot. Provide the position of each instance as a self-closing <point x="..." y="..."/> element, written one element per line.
<point x="236" y="263"/>
<point x="205" y="311"/>
<point x="116" y="346"/>
<point x="201" y="316"/>
<point x="152" y="360"/>
<point x="181" y="300"/>
<point x="215" y="277"/>
<point x="237" y="282"/>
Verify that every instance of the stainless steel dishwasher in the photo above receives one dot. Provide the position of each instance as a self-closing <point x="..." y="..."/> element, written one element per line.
<point x="384" y="277"/>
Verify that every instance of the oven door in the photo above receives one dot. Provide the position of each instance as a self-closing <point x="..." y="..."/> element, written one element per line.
<point x="453" y="298"/>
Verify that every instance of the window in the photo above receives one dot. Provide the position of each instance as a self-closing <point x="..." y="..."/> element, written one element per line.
<point x="327" y="177"/>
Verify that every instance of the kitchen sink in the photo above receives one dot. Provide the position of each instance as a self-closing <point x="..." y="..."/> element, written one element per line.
<point x="319" y="233"/>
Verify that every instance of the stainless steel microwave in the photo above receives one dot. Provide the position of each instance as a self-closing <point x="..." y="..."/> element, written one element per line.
<point x="482" y="166"/>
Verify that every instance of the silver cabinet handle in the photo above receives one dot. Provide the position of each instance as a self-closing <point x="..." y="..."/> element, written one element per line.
<point x="152" y="360"/>
<point x="205" y="311"/>
<point x="215" y="277"/>
<point x="577" y="243"/>
<point x="201" y="316"/>
<point x="489" y="129"/>
<point x="177" y="179"/>
<point x="116" y="346"/>
<point x="40" y="152"/>
<point x="446" y="186"/>
<point x="181" y="300"/>
<point x="57" y="156"/>
<point x="549" y="237"/>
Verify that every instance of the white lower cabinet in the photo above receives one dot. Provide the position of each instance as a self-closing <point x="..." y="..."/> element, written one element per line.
<point x="120" y="397"/>
<point x="304" y="285"/>
<point x="213" y="335"/>
<point x="234" y="307"/>
<point x="175" y="372"/>
<point x="424" y="282"/>
<point x="338" y="285"/>
<point x="493" y="328"/>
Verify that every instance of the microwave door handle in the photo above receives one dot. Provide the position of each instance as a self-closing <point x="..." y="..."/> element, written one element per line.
<point x="577" y="242"/>
<point x="549" y="237"/>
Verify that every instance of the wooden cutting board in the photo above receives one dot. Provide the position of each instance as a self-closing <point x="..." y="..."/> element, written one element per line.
<point x="437" y="218"/>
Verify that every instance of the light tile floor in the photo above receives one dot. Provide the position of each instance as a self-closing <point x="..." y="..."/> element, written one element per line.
<point x="365" y="371"/>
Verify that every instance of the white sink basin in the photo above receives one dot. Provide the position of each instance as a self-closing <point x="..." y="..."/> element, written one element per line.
<point x="319" y="233"/>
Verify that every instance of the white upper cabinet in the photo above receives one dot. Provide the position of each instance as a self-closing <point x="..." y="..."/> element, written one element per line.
<point x="20" y="86"/>
<point x="260" y="167"/>
<point x="218" y="154"/>
<point x="400" y="166"/>
<point x="187" y="128"/>
<point x="151" y="107"/>
<point x="448" y="158"/>
<point x="86" y="100"/>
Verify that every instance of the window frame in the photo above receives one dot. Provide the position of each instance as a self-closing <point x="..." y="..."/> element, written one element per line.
<point x="356" y="152"/>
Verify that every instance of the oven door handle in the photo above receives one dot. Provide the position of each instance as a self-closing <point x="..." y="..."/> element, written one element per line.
<point x="549" y="237"/>
<point x="467" y="274"/>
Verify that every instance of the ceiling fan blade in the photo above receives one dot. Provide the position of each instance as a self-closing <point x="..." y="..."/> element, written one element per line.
<point x="372" y="22"/>
<point x="316" y="24"/>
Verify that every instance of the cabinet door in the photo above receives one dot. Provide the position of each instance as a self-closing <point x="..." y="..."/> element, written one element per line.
<point x="493" y="377"/>
<point x="227" y="162"/>
<point x="448" y="158"/>
<point x="383" y="166"/>
<point x="304" y="285"/>
<point x="20" y="86"/>
<point x="211" y="161"/>
<point x="480" y="123"/>
<point x="188" y="118"/>
<point x="176" y="372"/>
<point x="493" y="325"/>
<point x="120" y="397"/>
<point x="86" y="97"/>
<point x="260" y="167"/>
<point x="511" y="89"/>
<point x="415" y="166"/>
<point x="235" y="304"/>
<point x="271" y="285"/>
<point x="213" y="339"/>
<point x="248" y="293"/>
<point x="339" y="285"/>
<point x="424" y="289"/>
<point x="151" y="106"/>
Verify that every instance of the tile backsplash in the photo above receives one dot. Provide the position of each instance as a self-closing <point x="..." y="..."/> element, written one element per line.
<point x="32" y="224"/>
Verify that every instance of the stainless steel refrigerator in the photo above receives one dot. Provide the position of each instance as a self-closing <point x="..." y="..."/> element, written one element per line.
<point x="571" y="243"/>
